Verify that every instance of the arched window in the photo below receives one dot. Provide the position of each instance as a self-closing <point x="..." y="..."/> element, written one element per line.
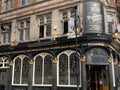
<point x="42" y="70"/>
<point x="67" y="70"/>
<point x="20" y="70"/>
<point x="4" y="62"/>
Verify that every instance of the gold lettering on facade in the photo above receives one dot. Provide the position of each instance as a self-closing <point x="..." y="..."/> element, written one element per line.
<point x="95" y="8"/>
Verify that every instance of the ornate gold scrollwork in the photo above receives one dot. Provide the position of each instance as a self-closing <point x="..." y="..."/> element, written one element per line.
<point x="31" y="61"/>
<point x="110" y="59"/>
<point x="54" y="60"/>
<point x="82" y="58"/>
<point x="11" y="63"/>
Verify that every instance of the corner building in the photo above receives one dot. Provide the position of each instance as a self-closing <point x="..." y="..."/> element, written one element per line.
<point x="59" y="45"/>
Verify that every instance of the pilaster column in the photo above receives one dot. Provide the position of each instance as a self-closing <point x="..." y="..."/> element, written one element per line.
<point x="83" y="72"/>
<point x="54" y="73"/>
<point x="30" y="74"/>
<point x="9" y="76"/>
<point x="110" y="60"/>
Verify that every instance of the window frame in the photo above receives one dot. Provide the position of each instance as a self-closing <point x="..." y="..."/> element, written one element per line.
<point x="21" y="57"/>
<point x="42" y="55"/>
<point x="43" y="25"/>
<point x="70" y="15"/>
<point x="23" y="30"/>
<point x="68" y="53"/>
<point x="6" y="33"/>
<point x="8" y="5"/>
<point x="110" y="23"/>
<point x="26" y="2"/>
<point x="4" y="63"/>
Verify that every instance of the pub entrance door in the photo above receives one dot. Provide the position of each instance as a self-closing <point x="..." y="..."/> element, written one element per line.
<point x="97" y="77"/>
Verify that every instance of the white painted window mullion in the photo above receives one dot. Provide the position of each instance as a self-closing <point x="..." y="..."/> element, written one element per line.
<point x="21" y="71"/>
<point x="43" y="71"/>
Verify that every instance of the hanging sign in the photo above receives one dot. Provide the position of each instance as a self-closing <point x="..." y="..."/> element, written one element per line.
<point x="93" y="17"/>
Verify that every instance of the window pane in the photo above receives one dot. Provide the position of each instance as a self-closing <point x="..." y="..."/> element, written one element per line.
<point x="48" y="30"/>
<point x="63" y="69"/>
<point x="65" y="15"/>
<point x="4" y="37"/>
<point x="73" y="69"/>
<point x="21" y="25"/>
<point x="72" y="13"/>
<point x="110" y="27"/>
<point x="65" y="27"/>
<point x="22" y="2"/>
<point x="27" y="34"/>
<point x="28" y="1"/>
<point x="41" y="20"/>
<point x="48" y="19"/>
<point x="9" y="35"/>
<point x="6" y="5"/>
<point x="17" y="70"/>
<point x="11" y="4"/>
<point x="27" y="24"/>
<point x="38" y="70"/>
<point x="47" y="70"/>
<point x="41" y="31"/>
<point x="25" y="70"/>
<point x="21" y="34"/>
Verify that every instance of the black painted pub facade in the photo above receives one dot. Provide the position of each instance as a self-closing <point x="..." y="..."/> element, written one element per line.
<point x="90" y="61"/>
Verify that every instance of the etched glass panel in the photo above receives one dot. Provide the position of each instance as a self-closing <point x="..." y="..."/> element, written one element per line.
<point x="73" y="69"/>
<point x="17" y="70"/>
<point x="47" y="70"/>
<point x="38" y="70"/>
<point x="63" y="69"/>
<point x="25" y="70"/>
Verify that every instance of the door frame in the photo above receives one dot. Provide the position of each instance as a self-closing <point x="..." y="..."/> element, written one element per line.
<point x="102" y="68"/>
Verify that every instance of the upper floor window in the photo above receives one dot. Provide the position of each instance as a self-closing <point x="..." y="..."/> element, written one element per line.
<point x="5" y="33"/>
<point x="25" y="2"/>
<point x="110" y="23"/>
<point x="67" y="21"/>
<point x="8" y="4"/>
<point x="67" y="69"/>
<point x="44" y="26"/>
<point x="24" y="29"/>
<point x="20" y="70"/>
<point x="42" y="74"/>
<point x="118" y="10"/>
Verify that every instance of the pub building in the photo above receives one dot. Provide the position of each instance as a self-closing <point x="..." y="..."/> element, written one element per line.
<point x="59" y="45"/>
